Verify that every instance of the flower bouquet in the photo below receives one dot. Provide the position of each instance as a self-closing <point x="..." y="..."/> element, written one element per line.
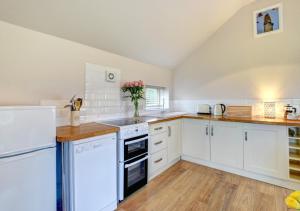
<point x="136" y="90"/>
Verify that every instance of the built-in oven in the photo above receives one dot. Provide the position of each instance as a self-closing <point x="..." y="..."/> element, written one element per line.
<point x="133" y="165"/>
<point x="135" y="146"/>
<point x="135" y="174"/>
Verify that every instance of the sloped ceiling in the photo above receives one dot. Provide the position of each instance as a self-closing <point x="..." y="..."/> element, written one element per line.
<point x="160" y="32"/>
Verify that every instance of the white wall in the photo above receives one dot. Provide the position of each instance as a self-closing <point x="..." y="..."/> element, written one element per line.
<point x="232" y="64"/>
<point x="36" y="66"/>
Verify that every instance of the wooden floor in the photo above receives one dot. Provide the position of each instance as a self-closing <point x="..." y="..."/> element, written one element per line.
<point x="187" y="186"/>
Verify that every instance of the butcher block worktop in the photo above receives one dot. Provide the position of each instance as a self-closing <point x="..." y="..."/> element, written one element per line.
<point x="69" y="133"/>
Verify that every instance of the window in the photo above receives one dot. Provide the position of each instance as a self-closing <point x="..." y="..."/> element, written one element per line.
<point x="157" y="98"/>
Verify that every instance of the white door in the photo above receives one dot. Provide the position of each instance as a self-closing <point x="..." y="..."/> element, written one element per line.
<point x="28" y="182"/>
<point x="174" y="140"/>
<point x="195" y="139"/>
<point x="95" y="174"/>
<point x="227" y="143"/>
<point x="266" y="150"/>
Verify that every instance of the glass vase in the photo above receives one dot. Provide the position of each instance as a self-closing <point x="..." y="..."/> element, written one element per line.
<point x="136" y="108"/>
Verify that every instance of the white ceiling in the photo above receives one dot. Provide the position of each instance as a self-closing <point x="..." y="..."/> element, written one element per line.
<point x="160" y="32"/>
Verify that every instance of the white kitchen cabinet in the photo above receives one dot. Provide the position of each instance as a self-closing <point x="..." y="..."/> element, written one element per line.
<point x="227" y="143"/>
<point x="195" y="139"/>
<point x="174" y="140"/>
<point x="266" y="150"/>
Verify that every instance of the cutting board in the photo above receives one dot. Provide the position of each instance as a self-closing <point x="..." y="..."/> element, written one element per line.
<point x="239" y="111"/>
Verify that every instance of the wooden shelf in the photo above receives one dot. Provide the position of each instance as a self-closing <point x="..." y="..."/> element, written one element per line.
<point x="294" y="146"/>
<point x="294" y="176"/>
<point x="294" y="157"/>
<point x="294" y="167"/>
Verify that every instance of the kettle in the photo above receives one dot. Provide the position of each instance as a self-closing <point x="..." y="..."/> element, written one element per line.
<point x="219" y="109"/>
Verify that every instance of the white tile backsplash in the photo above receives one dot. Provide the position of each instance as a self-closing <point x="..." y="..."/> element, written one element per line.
<point x="105" y="100"/>
<point x="257" y="105"/>
<point x="102" y="98"/>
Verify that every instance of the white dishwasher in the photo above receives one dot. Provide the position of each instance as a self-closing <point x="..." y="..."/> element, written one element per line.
<point x="90" y="174"/>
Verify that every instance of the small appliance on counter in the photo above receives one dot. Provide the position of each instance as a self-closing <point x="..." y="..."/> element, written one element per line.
<point x="290" y="112"/>
<point x="219" y="109"/>
<point x="204" y="109"/>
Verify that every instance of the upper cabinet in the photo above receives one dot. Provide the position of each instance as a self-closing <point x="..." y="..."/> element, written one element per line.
<point x="266" y="150"/>
<point x="227" y="143"/>
<point x="195" y="139"/>
<point x="174" y="139"/>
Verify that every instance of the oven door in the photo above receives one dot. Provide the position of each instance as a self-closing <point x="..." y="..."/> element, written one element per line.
<point x="136" y="146"/>
<point x="135" y="174"/>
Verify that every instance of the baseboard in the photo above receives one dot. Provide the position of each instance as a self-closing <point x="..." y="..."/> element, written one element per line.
<point x="271" y="180"/>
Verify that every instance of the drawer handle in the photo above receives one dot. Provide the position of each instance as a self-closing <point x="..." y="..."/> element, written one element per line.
<point x="157" y="143"/>
<point x="159" y="160"/>
<point x="158" y="128"/>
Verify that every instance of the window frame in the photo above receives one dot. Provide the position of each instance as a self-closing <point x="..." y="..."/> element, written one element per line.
<point x="163" y="93"/>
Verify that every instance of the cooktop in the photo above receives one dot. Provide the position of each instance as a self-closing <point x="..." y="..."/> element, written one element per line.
<point x="124" y="121"/>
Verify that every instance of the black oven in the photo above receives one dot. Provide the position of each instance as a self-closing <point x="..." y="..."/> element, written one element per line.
<point x="135" y="174"/>
<point x="136" y="146"/>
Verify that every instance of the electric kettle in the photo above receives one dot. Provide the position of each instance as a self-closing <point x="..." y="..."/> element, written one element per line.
<point x="219" y="109"/>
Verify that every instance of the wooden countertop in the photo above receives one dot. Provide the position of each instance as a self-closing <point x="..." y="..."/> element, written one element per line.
<point x="253" y="119"/>
<point x="69" y="133"/>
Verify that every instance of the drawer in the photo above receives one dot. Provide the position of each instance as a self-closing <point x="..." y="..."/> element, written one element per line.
<point x="158" y="142"/>
<point x="157" y="161"/>
<point x="157" y="128"/>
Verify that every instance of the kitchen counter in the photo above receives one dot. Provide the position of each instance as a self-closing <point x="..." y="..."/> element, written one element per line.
<point x="69" y="133"/>
<point x="253" y="119"/>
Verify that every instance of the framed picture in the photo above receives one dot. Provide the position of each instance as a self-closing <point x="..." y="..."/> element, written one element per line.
<point x="268" y="21"/>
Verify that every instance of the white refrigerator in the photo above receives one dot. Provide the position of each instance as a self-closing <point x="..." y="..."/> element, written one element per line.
<point x="27" y="159"/>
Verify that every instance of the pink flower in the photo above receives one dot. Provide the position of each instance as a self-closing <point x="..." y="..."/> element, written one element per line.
<point x="141" y="83"/>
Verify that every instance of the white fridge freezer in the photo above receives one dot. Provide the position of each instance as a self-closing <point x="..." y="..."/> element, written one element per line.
<point x="27" y="158"/>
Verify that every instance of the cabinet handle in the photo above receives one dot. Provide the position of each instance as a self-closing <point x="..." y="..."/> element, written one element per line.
<point x="158" y="128"/>
<point x="206" y="130"/>
<point x="157" y="143"/>
<point x="157" y="161"/>
<point x="246" y="136"/>
<point x="212" y="131"/>
<point x="169" y="131"/>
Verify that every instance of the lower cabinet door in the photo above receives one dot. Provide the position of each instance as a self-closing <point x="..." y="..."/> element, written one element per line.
<point x="227" y="143"/>
<point x="195" y="139"/>
<point x="266" y="150"/>
<point x="174" y="140"/>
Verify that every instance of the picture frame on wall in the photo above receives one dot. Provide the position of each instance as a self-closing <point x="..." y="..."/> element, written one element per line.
<point x="268" y="21"/>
